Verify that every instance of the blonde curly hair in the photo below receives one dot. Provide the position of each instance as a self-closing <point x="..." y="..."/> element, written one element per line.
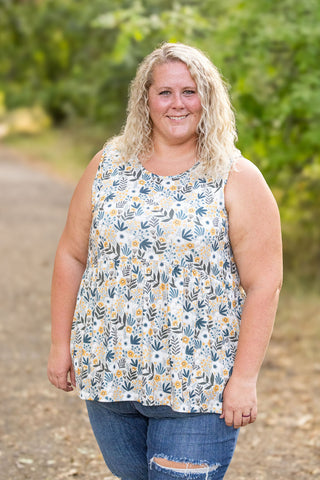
<point x="216" y="131"/>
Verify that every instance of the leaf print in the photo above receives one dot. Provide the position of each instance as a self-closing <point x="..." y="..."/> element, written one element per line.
<point x="173" y="293"/>
<point x="151" y="313"/>
<point x="132" y="375"/>
<point x="128" y="386"/>
<point x="144" y="225"/>
<point x="187" y="235"/>
<point x="166" y="388"/>
<point x="135" y="340"/>
<point x="219" y="290"/>
<point x="121" y="226"/>
<point x="109" y="356"/>
<point x="187" y="307"/>
<point x="176" y="271"/>
<point x="199" y="231"/>
<point x="157" y="346"/>
<point x="145" y="190"/>
<point x="179" y="197"/>
<point x="189" y="350"/>
<point x="126" y="250"/>
<point x="175" y="347"/>
<point x="201" y="211"/>
<point x="100" y="311"/>
<point x="145" y="244"/>
<point x="163" y="333"/>
<point x="223" y="310"/>
<point x="164" y="215"/>
<point x="181" y="215"/>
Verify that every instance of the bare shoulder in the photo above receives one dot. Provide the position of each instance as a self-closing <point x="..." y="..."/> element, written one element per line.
<point x="246" y="185"/>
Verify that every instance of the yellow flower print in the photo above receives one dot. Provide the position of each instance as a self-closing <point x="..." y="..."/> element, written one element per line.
<point x="173" y="187"/>
<point x="225" y="372"/>
<point x="150" y="332"/>
<point x="177" y="222"/>
<point x="130" y="353"/>
<point x="135" y="243"/>
<point x="190" y="245"/>
<point x="129" y="329"/>
<point x="162" y="240"/>
<point x="184" y="364"/>
<point x="139" y="312"/>
<point x="100" y="329"/>
<point x="103" y="393"/>
<point x="142" y="182"/>
<point x="119" y="373"/>
<point x="225" y="320"/>
<point x="157" y="378"/>
<point x="177" y="384"/>
<point x="185" y="339"/>
<point x="95" y="361"/>
<point x="163" y="286"/>
<point x="114" y="211"/>
<point x="122" y="281"/>
<point x="216" y="388"/>
<point x="191" y="210"/>
<point x="136" y="199"/>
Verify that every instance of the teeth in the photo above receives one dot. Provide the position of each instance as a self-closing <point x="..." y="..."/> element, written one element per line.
<point x="178" y="118"/>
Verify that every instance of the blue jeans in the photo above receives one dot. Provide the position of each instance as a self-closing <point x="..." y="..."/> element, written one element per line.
<point x="131" y="436"/>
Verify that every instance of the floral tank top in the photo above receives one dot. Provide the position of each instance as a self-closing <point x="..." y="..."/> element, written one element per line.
<point x="158" y="311"/>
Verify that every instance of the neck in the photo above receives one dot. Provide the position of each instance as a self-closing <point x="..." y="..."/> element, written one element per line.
<point x="177" y="153"/>
<point x="171" y="159"/>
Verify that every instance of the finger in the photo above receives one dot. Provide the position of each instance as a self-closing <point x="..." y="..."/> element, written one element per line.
<point x="62" y="382"/>
<point x="72" y="376"/>
<point x="254" y="414"/>
<point x="237" y="419"/>
<point x="246" y="418"/>
<point x="228" y="417"/>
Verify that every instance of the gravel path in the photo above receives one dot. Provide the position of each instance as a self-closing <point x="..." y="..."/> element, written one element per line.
<point x="45" y="434"/>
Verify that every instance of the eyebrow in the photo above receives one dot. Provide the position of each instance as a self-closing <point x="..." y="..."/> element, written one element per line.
<point x="190" y="87"/>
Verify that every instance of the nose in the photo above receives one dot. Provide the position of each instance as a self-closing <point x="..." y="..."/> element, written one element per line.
<point x="178" y="101"/>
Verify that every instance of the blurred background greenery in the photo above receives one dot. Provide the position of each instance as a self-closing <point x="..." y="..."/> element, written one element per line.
<point x="65" y="67"/>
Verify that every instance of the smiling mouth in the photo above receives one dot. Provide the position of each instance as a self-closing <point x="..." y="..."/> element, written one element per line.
<point x="181" y="117"/>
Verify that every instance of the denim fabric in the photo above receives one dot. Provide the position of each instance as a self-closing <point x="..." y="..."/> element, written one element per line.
<point x="131" y="435"/>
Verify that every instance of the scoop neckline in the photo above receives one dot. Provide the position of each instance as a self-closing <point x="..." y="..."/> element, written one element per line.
<point x="193" y="167"/>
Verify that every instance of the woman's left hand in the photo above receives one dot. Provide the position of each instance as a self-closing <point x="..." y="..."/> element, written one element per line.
<point x="239" y="406"/>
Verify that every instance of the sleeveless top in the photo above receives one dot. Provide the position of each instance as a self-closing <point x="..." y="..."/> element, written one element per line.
<point x="158" y="310"/>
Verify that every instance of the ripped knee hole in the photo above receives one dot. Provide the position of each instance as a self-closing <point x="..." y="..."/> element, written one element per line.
<point x="163" y="462"/>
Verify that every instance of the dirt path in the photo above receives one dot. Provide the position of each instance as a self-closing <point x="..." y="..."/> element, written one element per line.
<point x="45" y="434"/>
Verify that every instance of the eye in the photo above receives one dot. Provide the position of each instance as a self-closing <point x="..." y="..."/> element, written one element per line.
<point x="189" y="92"/>
<point x="164" y="92"/>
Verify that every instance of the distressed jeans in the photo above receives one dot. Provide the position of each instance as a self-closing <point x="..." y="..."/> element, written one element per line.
<point x="132" y="437"/>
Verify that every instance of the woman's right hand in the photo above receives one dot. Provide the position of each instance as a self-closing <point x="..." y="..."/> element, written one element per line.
<point x="60" y="368"/>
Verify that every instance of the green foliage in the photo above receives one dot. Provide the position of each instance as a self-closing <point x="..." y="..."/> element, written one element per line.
<point x="76" y="59"/>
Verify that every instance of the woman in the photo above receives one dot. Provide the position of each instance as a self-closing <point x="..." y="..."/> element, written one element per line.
<point x="172" y="242"/>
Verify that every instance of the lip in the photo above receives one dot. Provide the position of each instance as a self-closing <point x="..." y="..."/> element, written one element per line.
<point x="178" y="117"/>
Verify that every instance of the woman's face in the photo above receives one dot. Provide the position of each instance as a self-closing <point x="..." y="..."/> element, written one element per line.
<point x="174" y="104"/>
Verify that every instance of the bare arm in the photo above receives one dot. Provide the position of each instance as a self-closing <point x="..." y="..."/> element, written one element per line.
<point x="70" y="262"/>
<point x="256" y="242"/>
